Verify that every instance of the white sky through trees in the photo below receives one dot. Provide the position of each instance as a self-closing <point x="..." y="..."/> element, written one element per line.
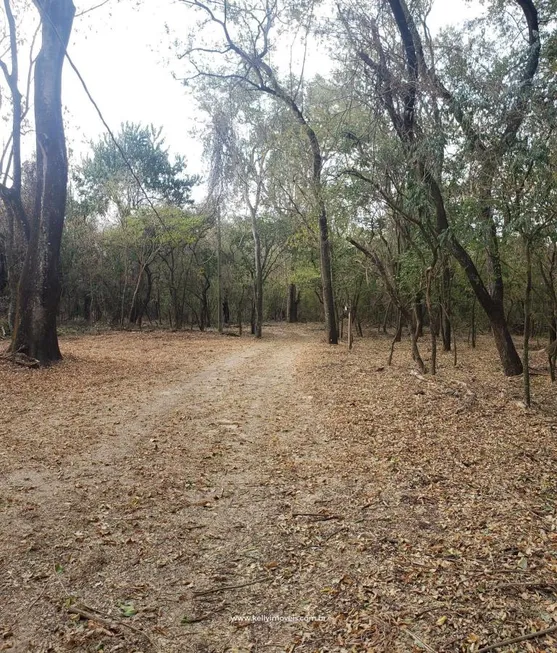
<point x="126" y="57"/>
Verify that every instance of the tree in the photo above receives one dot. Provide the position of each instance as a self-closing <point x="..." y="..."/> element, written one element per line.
<point x="106" y="181"/>
<point x="134" y="173"/>
<point x="39" y="286"/>
<point x="487" y="142"/>
<point x="245" y="43"/>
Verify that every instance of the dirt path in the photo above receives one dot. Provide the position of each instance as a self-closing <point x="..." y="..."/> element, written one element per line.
<point x="191" y="492"/>
<point x="195" y="491"/>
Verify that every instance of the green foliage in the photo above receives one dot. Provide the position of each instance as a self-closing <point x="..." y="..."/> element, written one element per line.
<point x="104" y="178"/>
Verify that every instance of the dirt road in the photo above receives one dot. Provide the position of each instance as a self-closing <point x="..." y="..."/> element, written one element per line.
<point x="191" y="510"/>
<point x="194" y="492"/>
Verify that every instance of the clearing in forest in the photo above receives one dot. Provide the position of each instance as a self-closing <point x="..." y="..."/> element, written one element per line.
<point x="192" y="492"/>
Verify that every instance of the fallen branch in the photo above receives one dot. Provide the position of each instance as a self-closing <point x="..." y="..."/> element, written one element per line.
<point x="203" y="617"/>
<point x="22" y="359"/>
<point x="92" y="615"/>
<point x="516" y="640"/>
<point x="532" y="585"/>
<point x="329" y="537"/>
<point x="226" y="588"/>
<point x="318" y="516"/>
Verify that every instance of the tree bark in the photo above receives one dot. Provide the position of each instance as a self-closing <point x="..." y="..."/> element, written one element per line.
<point x="292" y="304"/>
<point x="446" y="306"/>
<point x="399" y="325"/>
<point x="527" y="322"/>
<point x="418" y="316"/>
<point x="327" y="277"/>
<point x="432" y="322"/>
<point x="473" y="324"/>
<point x="39" y="287"/>
<point x="258" y="279"/>
<point x="491" y="304"/>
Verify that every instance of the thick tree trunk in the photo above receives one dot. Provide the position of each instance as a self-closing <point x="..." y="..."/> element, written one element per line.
<point x="512" y="365"/>
<point x="204" y="314"/>
<point x="492" y="304"/>
<point x="327" y="276"/>
<point x="418" y="317"/>
<point x="39" y="287"/>
<point x="446" y="332"/>
<point x="292" y="304"/>
<point x="226" y="312"/>
<point x="3" y="267"/>
<point x="13" y="269"/>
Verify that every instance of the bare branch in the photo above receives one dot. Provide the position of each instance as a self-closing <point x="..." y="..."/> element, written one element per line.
<point x="86" y="11"/>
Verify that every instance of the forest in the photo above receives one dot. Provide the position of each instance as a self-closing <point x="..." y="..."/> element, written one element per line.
<point x="373" y="224"/>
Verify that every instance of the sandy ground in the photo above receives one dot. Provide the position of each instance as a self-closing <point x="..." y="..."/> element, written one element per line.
<point x="195" y="492"/>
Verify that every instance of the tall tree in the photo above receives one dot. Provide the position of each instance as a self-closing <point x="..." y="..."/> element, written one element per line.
<point x="105" y="180"/>
<point x="244" y="41"/>
<point x="402" y="89"/>
<point x="39" y="287"/>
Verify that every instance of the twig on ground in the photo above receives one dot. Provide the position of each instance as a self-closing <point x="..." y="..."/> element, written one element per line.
<point x="418" y="641"/>
<point x="203" y="617"/>
<point x="533" y="585"/>
<point x="226" y="588"/>
<point x="319" y="516"/>
<point x="516" y="640"/>
<point x="93" y="615"/>
<point x="22" y="359"/>
<point x="340" y="530"/>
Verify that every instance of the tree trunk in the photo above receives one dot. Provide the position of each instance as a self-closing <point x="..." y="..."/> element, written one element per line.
<point x="418" y="317"/>
<point x="142" y="309"/>
<point x="404" y="313"/>
<point x="39" y="287"/>
<point x="204" y="317"/>
<point x="386" y="316"/>
<point x="13" y="268"/>
<point x="134" y="308"/>
<point x="473" y="324"/>
<point x="292" y="304"/>
<point x="226" y="311"/>
<point x="432" y="322"/>
<point x="492" y="304"/>
<point x="527" y="325"/>
<point x="219" y="272"/>
<point x="350" y="328"/>
<point x="324" y="244"/>
<point x="512" y="365"/>
<point x="327" y="277"/>
<point x="398" y="332"/>
<point x="446" y="307"/>
<point x="258" y="279"/>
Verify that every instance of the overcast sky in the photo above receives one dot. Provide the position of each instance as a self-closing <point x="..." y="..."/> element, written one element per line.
<point x="125" y="56"/>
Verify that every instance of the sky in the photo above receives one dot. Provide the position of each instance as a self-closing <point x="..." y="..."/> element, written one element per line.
<point x="125" y="55"/>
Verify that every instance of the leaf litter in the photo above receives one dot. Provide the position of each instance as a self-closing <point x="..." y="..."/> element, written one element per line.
<point x="187" y="492"/>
